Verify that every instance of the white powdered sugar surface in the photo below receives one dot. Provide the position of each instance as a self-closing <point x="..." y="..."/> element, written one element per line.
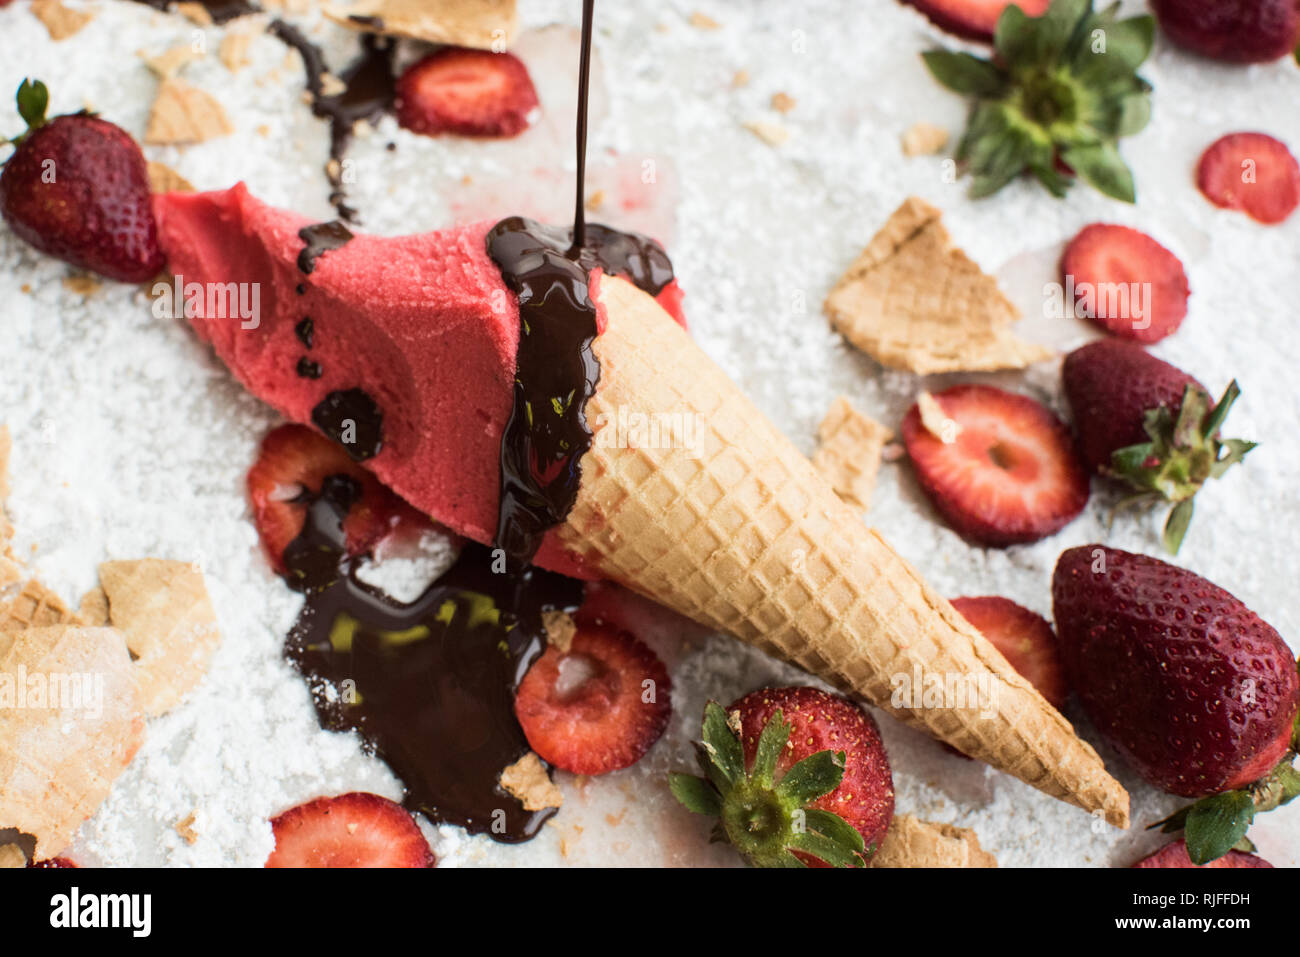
<point x="131" y="440"/>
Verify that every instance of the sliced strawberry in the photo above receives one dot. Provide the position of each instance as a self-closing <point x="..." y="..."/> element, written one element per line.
<point x="293" y="463"/>
<point x="1126" y="282"/>
<point x="351" y="830"/>
<point x="1252" y="172"/>
<point x="1025" y="639"/>
<point x="975" y="19"/>
<point x="470" y="92"/>
<point x="597" y="707"/>
<point x="1175" y="855"/>
<point x="1011" y="473"/>
<point x="670" y="297"/>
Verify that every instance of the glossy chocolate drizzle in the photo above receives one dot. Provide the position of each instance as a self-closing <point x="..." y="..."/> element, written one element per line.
<point x="369" y="88"/>
<point x="319" y="239"/>
<point x="556" y="372"/>
<point x="429" y="685"/>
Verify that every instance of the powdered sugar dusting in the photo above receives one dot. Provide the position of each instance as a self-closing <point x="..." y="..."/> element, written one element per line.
<point x="131" y="440"/>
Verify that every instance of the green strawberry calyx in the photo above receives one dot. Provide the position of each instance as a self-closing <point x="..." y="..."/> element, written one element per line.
<point x="766" y="819"/>
<point x="1054" y="100"/>
<point x="33" y="99"/>
<point x="1182" y="455"/>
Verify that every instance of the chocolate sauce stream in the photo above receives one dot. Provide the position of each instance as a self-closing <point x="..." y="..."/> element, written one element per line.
<point x="429" y="685"/>
<point x="319" y="239"/>
<point x="584" y="83"/>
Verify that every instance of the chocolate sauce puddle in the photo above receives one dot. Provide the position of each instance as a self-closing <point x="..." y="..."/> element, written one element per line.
<point x="429" y="685"/>
<point x="352" y="419"/>
<point x="369" y="88"/>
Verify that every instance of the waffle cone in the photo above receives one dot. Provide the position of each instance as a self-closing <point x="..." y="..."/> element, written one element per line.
<point x="912" y="842"/>
<point x="734" y="528"/>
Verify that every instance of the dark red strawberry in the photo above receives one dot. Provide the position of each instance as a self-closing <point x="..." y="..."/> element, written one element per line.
<point x="795" y="776"/>
<point x="1252" y="172"/>
<point x="1128" y="409"/>
<point x="1239" y="31"/>
<point x="53" y="862"/>
<point x="1025" y="639"/>
<point x="76" y="187"/>
<point x="352" y="830"/>
<point x="293" y="465"/>
<point x="1010" y="473"/>
<point x="597" y="707"/>
<point x="1185" y="681"/>
<point x="469" y="92"/>
<point x="1175" y="855"/>
<point x="975" y="19"/>
<point x="1126" y="282"/>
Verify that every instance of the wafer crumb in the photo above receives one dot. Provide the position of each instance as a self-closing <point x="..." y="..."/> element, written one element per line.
<point x="912" y="300"/>
<point x="924" y="139"/>
<point x="196" y="13"/>
<point x="11" y="855"/>
<point x="702" y="21"/>
<point x="185" y="114"/>
<point x="61" y="22"/>
<point x="936" y="421"/>
<point x="164" y="179"/>
<point x="911" y="842"/>
<point x="783" y="102"/>
<point x="233" y="51"/>
<point x="739" y="79"/>
<point x="849" y="450"/>
<point x="528" y="781"/>
<point x="560" y="629"/>
<point x="187" y="827"/>
<point x="171" y="61"/>
<point x="483" y="24"/>
<point x="773" y="134"/>
<point x="82" y="284"/>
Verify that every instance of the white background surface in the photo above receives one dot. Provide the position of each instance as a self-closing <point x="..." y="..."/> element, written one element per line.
<point x="130" y="440"/>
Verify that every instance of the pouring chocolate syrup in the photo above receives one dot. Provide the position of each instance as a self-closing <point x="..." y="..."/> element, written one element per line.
<point x="556" y="372"/>
<point x="430" y="685"/>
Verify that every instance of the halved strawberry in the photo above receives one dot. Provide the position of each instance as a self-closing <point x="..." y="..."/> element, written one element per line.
<point x="1010" y="474"/>
<point x="1024" y="638"/>
<point x="1252" y="172"/>
<point x="1175" y="855"/>
<point x="597" y="707"/>
<point x="293" y="463"/>
<point x="352" y="830"/>
<point x="470" y="92"/>
<point x="975" y="19"/>
<point x="1126" y="282"/>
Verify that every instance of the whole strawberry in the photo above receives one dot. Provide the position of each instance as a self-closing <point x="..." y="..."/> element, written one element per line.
<point x="796" y="776"/>
<point x="1239" y="31"/>
<point x="76" y="187"/>
<point x="1185" y="682"/>
<point x="1149" y="424"/>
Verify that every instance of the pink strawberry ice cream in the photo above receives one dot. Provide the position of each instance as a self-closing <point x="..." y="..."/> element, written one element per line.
<point x="424" y="324"/>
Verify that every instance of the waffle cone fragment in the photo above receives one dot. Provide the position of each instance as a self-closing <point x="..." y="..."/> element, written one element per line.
<point x="59" y="758"/>
<point x="912" y="842"/>
<point x="740" y="533"/>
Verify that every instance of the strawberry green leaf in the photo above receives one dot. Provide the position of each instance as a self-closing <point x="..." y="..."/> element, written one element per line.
<point x="1180" y="517"/>
<point x="1128" y="42"/>
<point x="1103" y="169"/>
<point x="1245" y="846"/>
<point x="33" y="99"/>
<point x="770" y="744"/>
<point x="1222" y="408"/>
<point x="828" y="850"/>
<point x="812" y="777"/>
<point x="697" y="794"/>
<point x="963" y="73"/>
<point x="721" y="744"/>
<point x="1215" y="824"/>
<point x="836" y="828"/>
